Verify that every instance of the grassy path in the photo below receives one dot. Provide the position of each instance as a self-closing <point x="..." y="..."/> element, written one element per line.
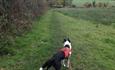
<point x="93" y="48"/>
<point x="36" y="46"/>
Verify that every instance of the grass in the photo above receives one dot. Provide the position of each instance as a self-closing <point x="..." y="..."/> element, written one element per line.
<point x="93" y="47"/>
<point x="90" y="44"/>
<point x="96" y="15"/>
<point x="29" y="54"/>
<point x="82" y="2"/>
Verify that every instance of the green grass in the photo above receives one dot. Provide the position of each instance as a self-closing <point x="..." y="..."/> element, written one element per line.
<point x="93" y="47"/>
<point x="96" y="15"/>
<point x="82" y="2"/>
<point x="31" y="48"/>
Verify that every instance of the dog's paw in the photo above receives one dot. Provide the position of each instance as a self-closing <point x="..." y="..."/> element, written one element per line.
<point x="64" y="65"/>
<point x="41" y="68"/>
<point x="67" y="66"/>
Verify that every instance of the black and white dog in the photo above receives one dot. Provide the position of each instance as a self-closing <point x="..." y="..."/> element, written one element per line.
<point x="66" y="61"/>
<point x="62" y="55"/>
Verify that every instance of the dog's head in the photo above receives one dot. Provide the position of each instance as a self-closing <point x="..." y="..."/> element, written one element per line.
<point x="67" y="43"/>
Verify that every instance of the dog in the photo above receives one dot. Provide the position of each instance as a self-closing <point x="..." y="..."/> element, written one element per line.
<point x="63" y="54"/>
<point x="66" y="62"/>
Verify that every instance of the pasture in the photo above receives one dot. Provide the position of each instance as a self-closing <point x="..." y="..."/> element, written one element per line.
<point x="82" y="2"/>
<point x="96" y="15"/>
<point x="92" y="37"/>
<point x="91" y="31"/>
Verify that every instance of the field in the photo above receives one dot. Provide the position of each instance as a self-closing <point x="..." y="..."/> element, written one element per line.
<point x="91" y="30"/>
<point x="96" y="15"/>
<point x="81" y="2"/>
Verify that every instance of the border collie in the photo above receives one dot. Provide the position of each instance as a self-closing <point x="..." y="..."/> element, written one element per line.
<point x="62" y="55"/>
<point x="66" y="61"/>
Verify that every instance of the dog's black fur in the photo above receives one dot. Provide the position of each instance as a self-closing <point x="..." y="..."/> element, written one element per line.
<point x="55" y="61"/>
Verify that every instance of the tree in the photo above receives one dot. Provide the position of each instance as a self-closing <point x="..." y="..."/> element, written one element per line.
<point x="60" y="2"/>
<point x="94" y="3"/>
<point x="51" y="2"/>
<point x="68" y="2"/>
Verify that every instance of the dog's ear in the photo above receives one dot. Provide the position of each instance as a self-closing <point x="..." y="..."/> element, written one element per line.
<point x="69" y="40"/>
<point x="64" y="40"/>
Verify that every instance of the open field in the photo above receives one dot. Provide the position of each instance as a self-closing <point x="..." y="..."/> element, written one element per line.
<point x="81" y="2"/>
<point x="93" y="46"/>
<point x="96" y="15"/>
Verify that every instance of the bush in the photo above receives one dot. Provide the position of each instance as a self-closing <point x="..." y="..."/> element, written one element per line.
<point x="73" y="6"/>
<point x="88" y="5"/>
<point x="16" y="19"/>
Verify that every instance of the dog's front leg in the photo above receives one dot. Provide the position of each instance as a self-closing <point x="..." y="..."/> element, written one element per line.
<point x="68" y="63"/>
<point x="64" y="63"/>
<point x="68" y="60"/>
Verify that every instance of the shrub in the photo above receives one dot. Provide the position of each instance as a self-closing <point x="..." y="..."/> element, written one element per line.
<point x="16" y="19"/>
<point x="73" y="6"/>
